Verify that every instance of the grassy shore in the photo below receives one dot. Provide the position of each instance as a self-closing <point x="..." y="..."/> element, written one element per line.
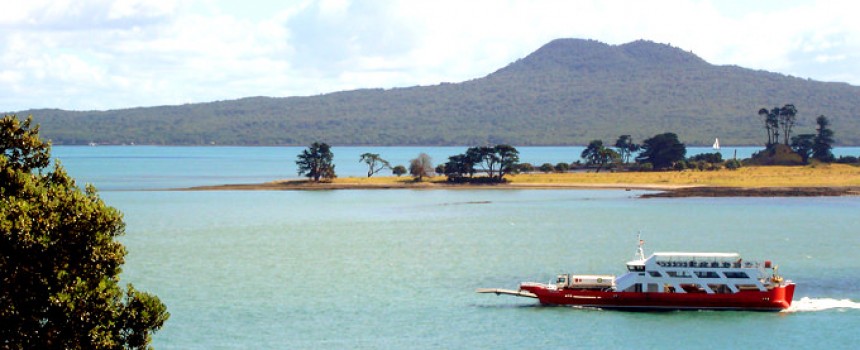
<point x="832" y="175"/>
<point x="759" y="181"/>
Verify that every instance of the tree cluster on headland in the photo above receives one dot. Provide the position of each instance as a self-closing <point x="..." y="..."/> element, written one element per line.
<point x="490" y="164"/>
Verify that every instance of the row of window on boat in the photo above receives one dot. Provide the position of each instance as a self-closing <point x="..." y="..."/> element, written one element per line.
<point x="693" y="263"/>
<point x="699" y="274"/>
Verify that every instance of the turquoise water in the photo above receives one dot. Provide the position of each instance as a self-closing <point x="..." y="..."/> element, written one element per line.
<point x="398" y="269"/>
<point x="159" y="167"/>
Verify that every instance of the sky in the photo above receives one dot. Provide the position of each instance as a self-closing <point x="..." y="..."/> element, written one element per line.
<point x="97" y="55"/>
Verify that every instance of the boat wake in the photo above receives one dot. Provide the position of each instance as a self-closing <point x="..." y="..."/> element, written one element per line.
<point x="806" y="304"/>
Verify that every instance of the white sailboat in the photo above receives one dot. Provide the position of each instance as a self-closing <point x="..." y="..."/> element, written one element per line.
<point x="717" y="144"/>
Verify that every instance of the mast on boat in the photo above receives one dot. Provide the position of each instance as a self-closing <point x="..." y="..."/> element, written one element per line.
<point x="640" y="253"/>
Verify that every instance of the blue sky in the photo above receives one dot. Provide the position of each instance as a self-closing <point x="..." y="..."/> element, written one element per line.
<point x="84" y="55"/>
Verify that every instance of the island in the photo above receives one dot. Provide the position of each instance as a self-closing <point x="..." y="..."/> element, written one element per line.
<point x="752" y="181"/>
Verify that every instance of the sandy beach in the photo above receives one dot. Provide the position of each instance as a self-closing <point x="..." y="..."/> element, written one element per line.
<point x="664" y="190"/>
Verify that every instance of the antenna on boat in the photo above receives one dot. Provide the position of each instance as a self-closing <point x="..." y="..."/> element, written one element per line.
<point x="640" y="253"/>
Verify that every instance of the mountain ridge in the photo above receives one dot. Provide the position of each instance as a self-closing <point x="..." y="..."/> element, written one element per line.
<point x="567" y="92"/>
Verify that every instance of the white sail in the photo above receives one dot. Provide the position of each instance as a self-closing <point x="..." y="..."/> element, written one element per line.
<point x="717" y="143"/>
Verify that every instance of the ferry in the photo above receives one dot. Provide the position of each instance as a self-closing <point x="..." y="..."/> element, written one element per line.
<point x="670" y="281"/>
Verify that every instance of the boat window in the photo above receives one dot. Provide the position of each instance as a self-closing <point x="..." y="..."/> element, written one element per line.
<point x="707" y="274"/>
<point x="636" y="267"/>
<point x="735" y="274"/>
<point x="745" y="287"/>
<point x="654" y="274"/>
<point x="683" y="274"/>
<point x="653" y="287"/>
<point x="720" y="288"/>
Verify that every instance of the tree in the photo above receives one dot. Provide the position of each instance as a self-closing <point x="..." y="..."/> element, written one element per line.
<point x="803" y="145"/>
<point x="374" y="163"/>
<point x="457" y="167"/>
<point x="776" y="119"/>
<point x="823" y="142"/>
<point x="662" y="150"/>
<point x="626" y="147"/>
<point x="771" y="124"/>
<point x="421" y="167"/>
<point x="59" y="258"/>
<point x="547" y="168"/>
<point x="590" y="153"/>
<point x="525" y="168"/>
<point x="608" y="156"/>
<point x="508" y="159"/>
<point x="597" y="154"/>
<point x="398" y="170"/>
<point x="316" y="162"/>
<point x="713" y="158"/>
<point x="496" y="161"/>
<point x="787" y="117"/>
<point x="765" y="114"/>
<point x="562" y="167"/>
<point x="484" y="157"/>
<point x="733" y="164"/>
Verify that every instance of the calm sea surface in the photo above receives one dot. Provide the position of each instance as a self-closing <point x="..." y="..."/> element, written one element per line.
<point x="397" y="269"/>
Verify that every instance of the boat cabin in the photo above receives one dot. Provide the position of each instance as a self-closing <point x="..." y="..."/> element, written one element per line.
<point x="711" y="273"/>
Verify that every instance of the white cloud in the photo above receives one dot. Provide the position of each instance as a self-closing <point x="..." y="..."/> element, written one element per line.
<point x="114" y="54"/>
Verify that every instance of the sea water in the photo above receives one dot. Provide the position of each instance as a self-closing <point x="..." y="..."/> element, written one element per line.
<point x="395" y="269"/>
<point x="164" y="167"/>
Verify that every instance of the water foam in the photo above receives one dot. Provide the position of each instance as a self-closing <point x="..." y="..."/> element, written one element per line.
<point x="806" y="304"/>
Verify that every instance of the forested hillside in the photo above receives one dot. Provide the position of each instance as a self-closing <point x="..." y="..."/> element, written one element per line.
<point x="568" y="92"/>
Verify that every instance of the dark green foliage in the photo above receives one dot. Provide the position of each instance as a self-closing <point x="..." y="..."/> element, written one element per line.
<point x="562" y="167"/>
<point x="440" y="169"/>
<point x="787" y="118"/>
<point x="457" y="167"/>
<point x="60" y="260"/>
<point x="778" y="119"/>
<point x="22" y="149"/>
<point x="317" y="162"/>
<point x="421" y="167"/>
<point x="803" y="144"/>
<point x="508" y="159"/>
<point x="823" y="142"/>
<point x="597" y="154"/>
<point x="374" y="163"/>
<point x="496" y="161"/>
<point x="399" y="170"/>
<point x="525" y="168"/>
<point x="733" y="164"/>
<point x="483" y="158"/>
<point x="566" y="93"/>
<point x="848" y="160"/>
<point x="626" y="147"/>
<point x="715" y="157"/>
<point x="662" y="150"/>
<point x="547" y="168"/>
<point x="776" y="154"/>
<point x="591" y="153"/>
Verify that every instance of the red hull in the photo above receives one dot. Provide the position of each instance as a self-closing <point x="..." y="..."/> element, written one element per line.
<point x="776" y="299"/>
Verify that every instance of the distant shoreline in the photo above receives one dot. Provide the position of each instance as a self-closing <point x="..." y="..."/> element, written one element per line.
<point x="663" y="190"/>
